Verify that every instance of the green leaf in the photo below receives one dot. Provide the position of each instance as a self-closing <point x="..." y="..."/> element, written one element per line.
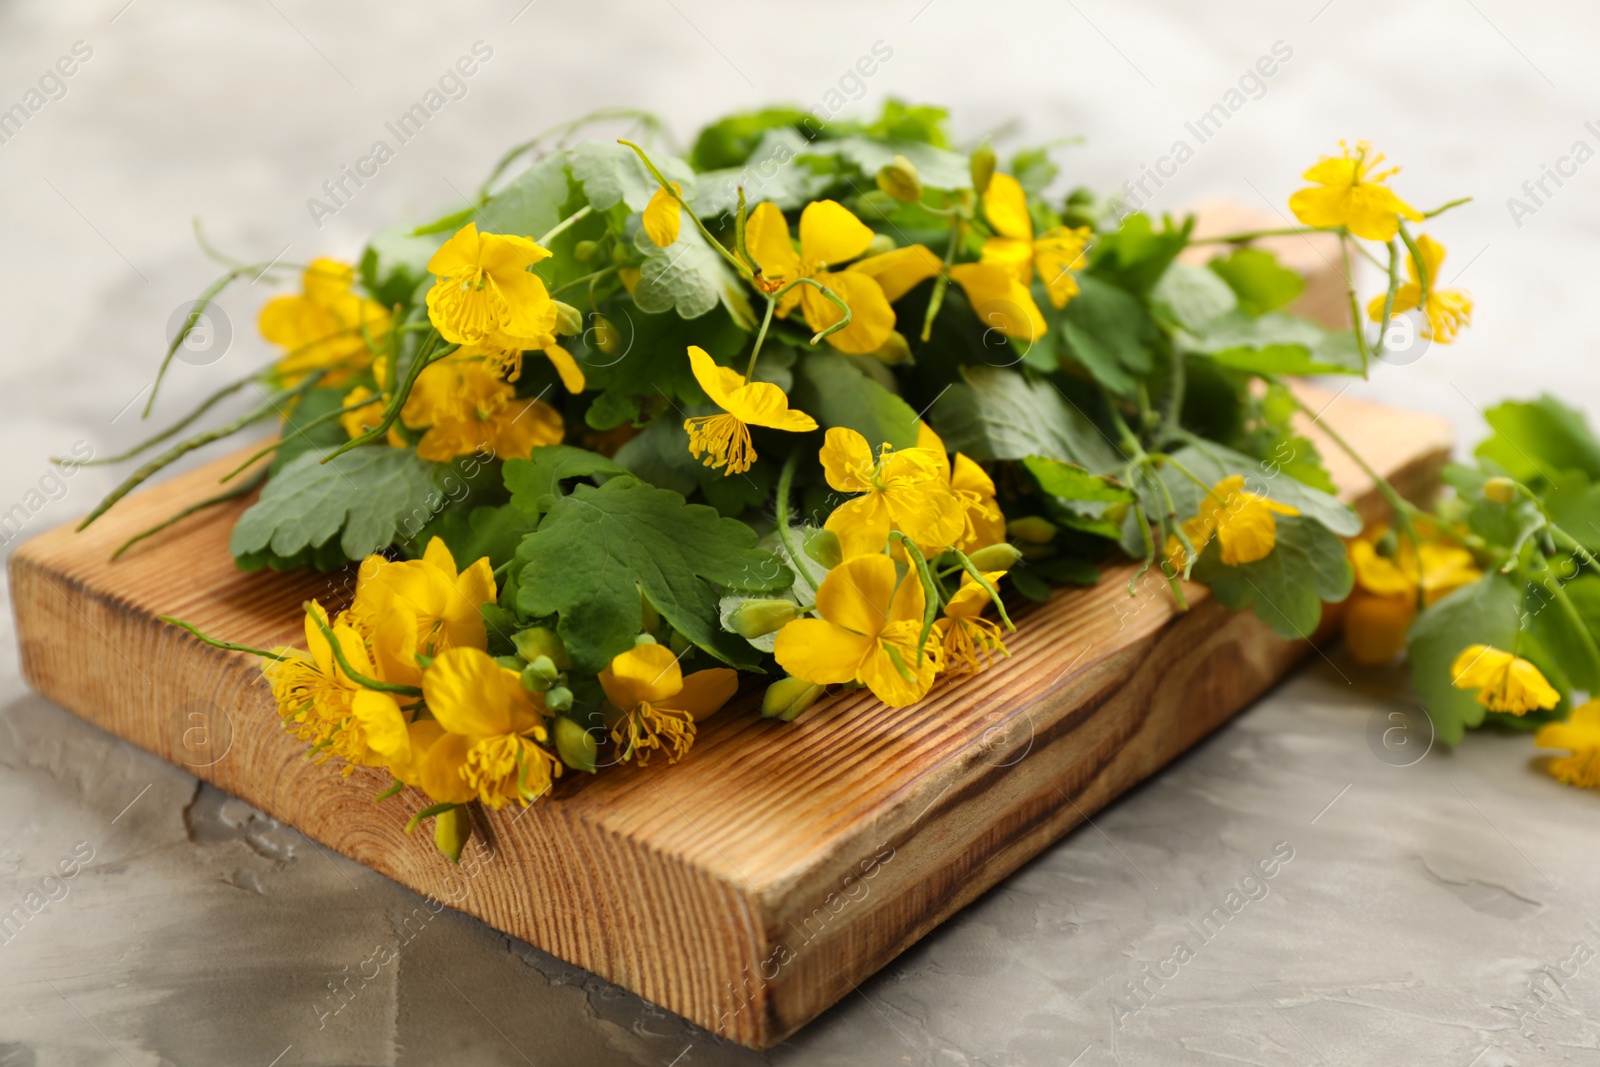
<point x="370" y="497"/>
<point x="598" y="549"/>
<point x="835" y="392"/>
<point x="1191" y="297"/>
<point x="654" y="362"/>
<point x="1539" y="438"/>
<point x="1574" y="505"/>
<point x="938" y="168"/>
<point x="531" y="204"/>
<point x="731" y="141"/>
<point x="394" y="263"/>
<point x="775" y="172"/>
<point x="998" y="413"/>
<point x="1072" y="482"/>
<point x="535" y="482"/>
<point x="1286" y="589"/>
<point x="1487" y="612"/>
<point x="1066" y="570"/>
<point x="1258" y="279"/>
<point x="485" y="531"/>
<point x="1276" y="344"/>
<point x="1212" y="463"/>
<point x="1110" y="334"/>
<point x="1135" y="255"/>
<point x="660" y="456"/>
<point x="613" y="174"/>
<point x="688" y="277"/>
<point x="298" y="440"/>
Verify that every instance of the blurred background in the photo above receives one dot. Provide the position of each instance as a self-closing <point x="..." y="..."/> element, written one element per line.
<point x="203" y="933"/>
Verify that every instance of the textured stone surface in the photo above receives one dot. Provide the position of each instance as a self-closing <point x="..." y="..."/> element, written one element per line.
<point x="1418" y="908"/>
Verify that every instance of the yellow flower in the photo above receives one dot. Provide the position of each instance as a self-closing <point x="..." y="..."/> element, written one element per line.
<point x="322" y="328"/>
<point x="506" y="362"/>
<point x="904" y="491"/>
<point x="829" y="237"/>
<point x="1447" y="310"/>
<point x="1348" y="193"/>
<point x="1000" y="301"/>
<point x="1015" y="248"/>
<point x="970" y="641"/>
<point x="1504" y="682"/>
<point x="867" y="633"/>
<point x="400" y="746"/>
<point x="1387" y="591"/>
<point x="1580" y="735"/>
<point x="420" y="606"/>
<point x="467" y="409"/>
<point x="490" y="749"/>
<point x="315" y="696"/>
<point x="358" y="420"/>
<point x="1242" y="521"/>
<point x="485" y="294"/>
<point x="663" y="216"/>
<point x="659" y="705"/>
<point x="725" y="439"/>
<point x="973" y="489"/>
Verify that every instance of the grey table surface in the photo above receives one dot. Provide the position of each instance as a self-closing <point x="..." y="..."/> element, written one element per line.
<point x="1442" y="912"/>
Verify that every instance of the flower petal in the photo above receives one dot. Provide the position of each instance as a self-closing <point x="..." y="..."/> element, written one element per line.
<point x="859" y="593"/>
<point x="821" y="653"/>
<point x="643" y="674"/>
<point x="704" y="692"/>
<point x="830" y="235"/>
<point x="718" y="381"/>
<point x="1005" y="205"/>
<point x="871" y="317"/>
<point x="663" y="217"/>
<point x="766" y="235"/>
<point x="847" y="460"/>
<point x="999" y="300"/>
<point x="566" y="367"/>
<point x="900" y="271"/>
<point x="465" y="690"/>
<point x="460" y="254"/>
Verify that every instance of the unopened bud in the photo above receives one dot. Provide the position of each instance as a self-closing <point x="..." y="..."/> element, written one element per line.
<point x="539" y="641"/>
<point x="576" y="746"/>
<point x="584" y="251"/>
<point x="644" y="639"/>
<point x="995" y="557"/>
<point x="1500" y="489"/>
<point x="894" y="351"/>
<point x="569" y="320"/>
<point x="451" y="831"/>
<point x="605" y="336"/>
<point x="788" y="697"/>
<point x="757" y="618"/>
<point x="880" y="243"/>
<point x="899" y="178"/>
<point x="558" y="698"/>
<point x="1032" y="529"/>
<point x="982" y="167"/>
<point x="540" y="675"/>
<point x="823" y="546"/>
<point x="620" y="255"/>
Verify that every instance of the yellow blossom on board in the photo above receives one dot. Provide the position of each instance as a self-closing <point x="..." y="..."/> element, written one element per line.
<point x="724" y="439"/>
<point x="901" y="490"/>
<point x="1243" y="523"/>
<point x="663" y="216"/>
<point x="484" y="292"/>
<point x="830" y="236"/>
<point x="871" y="617"/>
<point x="491" y="749"/>
<point x="1504" y="682"/>
<point x="1000" y="300"/>
<point x="1053" y="254"/>
<point x="420" y="606"/>
<point x="467" y="408"/>
<point x="1390" y="589"/>
<point x="1350" y="192"/>
<point x="973" y="489"/>
<point x="314" y="694"/>
<point x="326" y="326"/>
<point x="1447" y="310"/>
<point x="659" y="704"/>
<point x="400" y="746"/>
<point x="1580" y="736"/>
<point x="970" y="641"/>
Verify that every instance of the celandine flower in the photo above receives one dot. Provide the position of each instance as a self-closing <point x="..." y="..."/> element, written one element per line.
<point x="724" y="439"/>
<point x="315" y="696"/>
<point x="1580" y="736"/>
<point x="905" y="490"/>
<point x="1350" y="192"/>
<point x="973" y="489"/>
<point x="1447" y="310"/>
<point x="490" y="749"/>
<point x="326" y="327"/>
<point x="1241" y="521"/>
<point x="441" y="607"/>
<point x="970" y="641"/>
<point x="659" y="705"/>
<point x="663" y="217"/>
<point x="485" y="294"/>
<point x="1504" y="682"/>
<point x="467" y="408"/>
<point x="1389" y="589"/>
<point x="1053" y="254"/>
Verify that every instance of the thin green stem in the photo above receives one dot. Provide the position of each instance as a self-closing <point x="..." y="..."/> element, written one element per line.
<point x="1424" y="283"/>
<point x="272" y="446"/>
<point x="831" y="296"/>
<point x="585" y="280"/>
<point x="196" y="313"/>
<point x="742" y="268"/>
<point x="932" y="595"/>
<point x="150" y="442"/>
<point x="1575" y="620"/>
<point x="1442" y="208"/>
<point x="761" y="335"/>
<point x="1402" y="508"/>
<point x="785" y="534"/>
<point x="226" y="646"/>
<point x="1355" y="303"/>
<point x="398" y="399"/>
<point x="988" y="586"/>
<point x="565" y="224"/>
<point x="344" y="664"/>
<point x="942" y="283"/>
<point x="1251" y="235"/>
<point x="1389" y="294"/>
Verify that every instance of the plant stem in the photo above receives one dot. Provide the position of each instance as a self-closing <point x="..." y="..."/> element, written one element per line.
<point x="936" y="300"/>
<point x="193" y="319"/>
<point x="761" y="335"/>
<point x="785" y="534"/>
<point x="1355" y="303"/>
<point x="1424" y="283"/>
<point x="344" y="664"/>
<point x="226" y="646"/>
<point x="397" y="400"/>
<point x="1251" y="235"/>
<point x="1401" y="507"/>
<point x="742" y="268"/>
<point x="150" y="442"/>
<point x="565" y="224"/>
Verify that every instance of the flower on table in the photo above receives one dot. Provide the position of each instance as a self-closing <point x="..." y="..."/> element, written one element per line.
<point x="1244" y="523"/>
<point x="420" y="607"/>
<point x="493" y="728"/>
<point x="659" y="703"/>
<point x="466" y="408"/>
<point x="1014" y="247"/>
<point x="870" y="619"/>
<point x="724" y="439"/>
<point x="325" y="327"/>
<point x="315" y="695"/>
<point x="970" y="641"/>
<point x="1504" y="682"/>
<point x="663" y="216"/>
<point x="1580" y="736"/>
<point x="1447" y="310"/>
<point x="830" y="236"/>
<point x="973" y="489"/>
<point x="1351" y="192"/>
<point x="904" y="490"/>
<point x="1390" y="586"/>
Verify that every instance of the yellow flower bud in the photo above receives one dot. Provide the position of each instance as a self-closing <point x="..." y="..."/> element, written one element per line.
<point x="605" y="336"/>
<point x="982" y="167"/>
<point x="451" y="831"/>
<point x="1032" y="529"/>
<point x="899" y="178"/>
<point x="569" y="320"/>
<point x="576" y="746"/>
<point x="757" y="618"/>
<point x="788" y="697"/>
<point x="995" y="557"/>
<point x="1500" y="489"/>
<point x="823" y="546"/>
<point x="539" y="641"/>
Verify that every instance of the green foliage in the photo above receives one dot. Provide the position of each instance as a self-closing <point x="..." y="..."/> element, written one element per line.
<point x="1259" y="281"/>
<point x="1487" y="612"/>
<point x="613" y="174"/>
<point x="1110" y="334"/>
<point x="835" y="392"/>
<point x="394" y="263"/>
<point x="996" y="413"/>
<point x="612" y="544"/>
<point x="731" y="141"/>
<point x="1191" y="298"/>
<point x="1136" y="254"/>
<point x="535" y="483"/>
<point x="1286" y="588"/>
<point x="1212" y="463"/>
<point x="1275" y="344"/>
<point x="1535" y="439"/>
<point x="530" y="205"/>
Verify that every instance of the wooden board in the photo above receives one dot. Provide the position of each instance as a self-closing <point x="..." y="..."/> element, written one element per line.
<point x="754" y="884"/>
